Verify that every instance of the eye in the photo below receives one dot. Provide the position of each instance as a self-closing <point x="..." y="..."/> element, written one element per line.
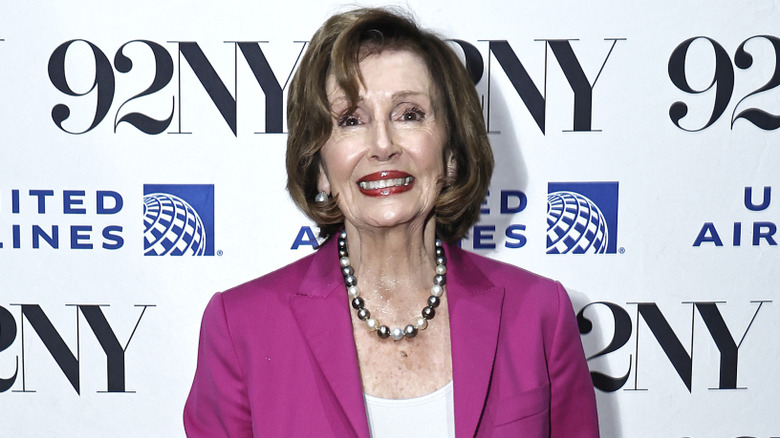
<point x="413" y="114"/>
<point x="349" y="120"/>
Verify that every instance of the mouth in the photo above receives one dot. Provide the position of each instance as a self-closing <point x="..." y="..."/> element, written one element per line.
<point x="386" y="182"/>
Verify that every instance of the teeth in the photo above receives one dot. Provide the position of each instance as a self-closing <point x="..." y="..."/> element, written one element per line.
<point x="384" y="183"/>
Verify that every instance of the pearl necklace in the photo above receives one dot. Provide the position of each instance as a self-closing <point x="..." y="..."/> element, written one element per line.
<point x="398" y="333"/>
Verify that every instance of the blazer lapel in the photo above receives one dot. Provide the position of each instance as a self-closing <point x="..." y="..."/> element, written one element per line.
<point x="475" y="314"/>
<point x="323" y="315"/>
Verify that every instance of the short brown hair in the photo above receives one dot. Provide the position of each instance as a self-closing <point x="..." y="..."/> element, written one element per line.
<point x="337" y="49"/>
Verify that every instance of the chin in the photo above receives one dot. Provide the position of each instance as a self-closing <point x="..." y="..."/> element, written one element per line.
<point x="389" y="219"/>
<point x="388" y="213"/>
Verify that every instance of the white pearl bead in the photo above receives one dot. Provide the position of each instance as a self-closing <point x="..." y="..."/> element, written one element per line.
<point x="441" y="269"/>
<point x="397" y="333"/>
<point x="437" y="290"/>
<point x="353" y="291"/>
<point x="372" y="324"/>
<point x="421" y="323"/>
<point x="344" y="262"/>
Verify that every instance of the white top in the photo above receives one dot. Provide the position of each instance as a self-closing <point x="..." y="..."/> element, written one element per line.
<point x="430" y="416"/>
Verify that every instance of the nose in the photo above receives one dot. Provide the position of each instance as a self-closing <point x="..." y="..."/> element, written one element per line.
<point x="384" y="145"/>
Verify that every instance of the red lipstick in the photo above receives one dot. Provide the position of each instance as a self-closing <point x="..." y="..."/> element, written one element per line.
<point x="385" y="182"/>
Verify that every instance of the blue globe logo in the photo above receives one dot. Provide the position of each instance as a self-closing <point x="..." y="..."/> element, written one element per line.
<point x="172" y="227"/>
<point x="575" y="225"/>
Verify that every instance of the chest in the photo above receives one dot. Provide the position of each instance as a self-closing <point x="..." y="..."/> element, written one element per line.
<point x="407" y="368"/>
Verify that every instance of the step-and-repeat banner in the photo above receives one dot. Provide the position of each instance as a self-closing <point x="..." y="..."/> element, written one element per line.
<point x="657" y="121"/>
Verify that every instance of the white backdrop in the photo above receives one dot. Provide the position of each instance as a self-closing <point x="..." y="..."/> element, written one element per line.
<point x="97" y="338"/>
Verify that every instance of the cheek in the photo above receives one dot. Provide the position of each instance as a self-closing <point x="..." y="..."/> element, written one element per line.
<point x="431" y="156"/>
<point x="338" y="162"/>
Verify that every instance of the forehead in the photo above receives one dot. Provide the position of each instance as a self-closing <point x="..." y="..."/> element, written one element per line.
<point x="386" y="74"/>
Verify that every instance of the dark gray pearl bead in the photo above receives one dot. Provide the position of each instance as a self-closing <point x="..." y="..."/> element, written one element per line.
<point x="343" y="234"/>
<point x="383" y="332"/>
<point x="350" y="280"/>
<point x="343" y="253"/>
<point x="358" y="303"/>
<point x="342" y="243"/>
<point x="438" y="243"/>
<point x="363" y="314"/>
<point x="347" y="270"/>
<point x="439" y="251"/>
<point x="434" y="301"/>
<point x="440" y="260"/>
<point x="439" y="279"/>
<point x="410" y="331"/>
<point x="428" y="312"/>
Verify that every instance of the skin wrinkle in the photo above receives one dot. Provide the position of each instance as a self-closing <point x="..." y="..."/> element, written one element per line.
<point x="390" y="238"/>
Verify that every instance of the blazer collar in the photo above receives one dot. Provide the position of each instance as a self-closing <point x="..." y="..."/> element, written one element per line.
<point x="475" y="314"/>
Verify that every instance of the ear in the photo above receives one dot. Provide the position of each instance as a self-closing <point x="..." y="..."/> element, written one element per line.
<point x="323" y="184"/>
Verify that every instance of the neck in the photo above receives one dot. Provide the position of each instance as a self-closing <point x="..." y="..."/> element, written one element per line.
<point x="394" y="266"/>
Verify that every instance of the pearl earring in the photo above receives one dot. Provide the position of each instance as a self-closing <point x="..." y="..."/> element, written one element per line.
<point x="321" y="197"/>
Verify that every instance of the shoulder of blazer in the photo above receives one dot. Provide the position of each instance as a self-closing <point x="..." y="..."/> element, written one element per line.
<point x="314" y="275"/>
<point x="493" y="272"/>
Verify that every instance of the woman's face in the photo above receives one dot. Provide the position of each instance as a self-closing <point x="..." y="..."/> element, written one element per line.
<point x="385" y="159"/>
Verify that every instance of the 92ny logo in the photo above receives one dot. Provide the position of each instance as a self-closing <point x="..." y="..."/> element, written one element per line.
<point x="105" y="82"/>
<point x="533" y="94"/>
<point x="723" y="83"/>
<point x="68" y="361"/>
<point x="725" y="336"/>
<point x="104" y="85"/>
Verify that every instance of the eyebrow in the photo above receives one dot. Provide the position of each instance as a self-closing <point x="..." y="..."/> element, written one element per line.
<point x="396" y="95"/>
<point x="403" y="94"/>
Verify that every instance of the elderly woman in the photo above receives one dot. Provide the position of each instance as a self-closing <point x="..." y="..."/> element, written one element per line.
<point x="389" y="329"/>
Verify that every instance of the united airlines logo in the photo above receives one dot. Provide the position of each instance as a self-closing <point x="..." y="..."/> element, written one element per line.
<point x="582" y="217"/>
<point x="178" y="219"/>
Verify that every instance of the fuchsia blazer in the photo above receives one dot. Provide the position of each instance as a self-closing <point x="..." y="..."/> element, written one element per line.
<point x="277" y="357"/>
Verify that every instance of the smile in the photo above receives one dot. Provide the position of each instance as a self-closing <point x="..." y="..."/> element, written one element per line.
<point x="386" y="182"/>
<point x="383" y="183"/>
